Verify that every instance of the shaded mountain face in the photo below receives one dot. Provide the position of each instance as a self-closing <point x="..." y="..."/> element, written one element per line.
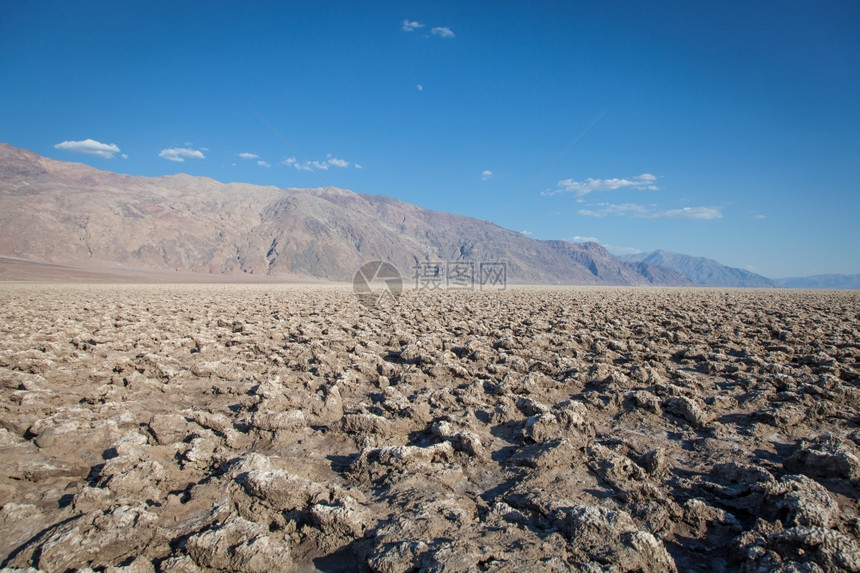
<point x="72" y="214"/>
<point x="702" y="271"/>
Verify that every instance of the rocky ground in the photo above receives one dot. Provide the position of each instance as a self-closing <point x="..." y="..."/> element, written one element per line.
<point x="272" y="428"/>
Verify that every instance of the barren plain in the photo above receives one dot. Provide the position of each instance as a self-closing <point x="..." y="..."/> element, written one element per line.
<point x="289" y="428"/>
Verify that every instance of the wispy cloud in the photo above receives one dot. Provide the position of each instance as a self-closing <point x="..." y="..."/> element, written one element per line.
<point x="306" y="165"/>
<point x="180" y="153"/>
<point x="409" y="26"/>
<point x="318" y="165"/>
<point x="526" y="233"/>
<point x="578" y="239"/>
<point x="581" y="188"/>
<point x="486" y="174"/>
<point x="90" y="147"/>
<point x="260" y="162"/>
<point x="629" y="209"/>
<point x="693" y="213"/>
<point x="335" y="162"/>
<point x="645" y="212"/>
<point x="420" y="88"/>
<point x="442" y="32"/>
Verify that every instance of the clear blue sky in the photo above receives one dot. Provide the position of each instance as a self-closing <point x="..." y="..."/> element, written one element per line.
<point x="723" y="129"/>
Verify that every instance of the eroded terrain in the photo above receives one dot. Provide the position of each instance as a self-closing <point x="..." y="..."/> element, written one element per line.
<point x="274" y="428"/>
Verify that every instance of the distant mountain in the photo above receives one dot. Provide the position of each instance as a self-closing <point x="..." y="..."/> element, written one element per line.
<point x="75" y="215"/>
<point x="702" y="271"/>
<point x="821" y="281"/>
<point x="708" y="272"/>
<point x="601" y="263"/>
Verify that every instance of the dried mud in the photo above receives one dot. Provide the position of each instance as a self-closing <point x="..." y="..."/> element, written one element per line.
<point x="271" y="428"/>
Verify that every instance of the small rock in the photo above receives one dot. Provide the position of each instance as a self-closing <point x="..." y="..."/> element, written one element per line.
<point x="688" y="409"/>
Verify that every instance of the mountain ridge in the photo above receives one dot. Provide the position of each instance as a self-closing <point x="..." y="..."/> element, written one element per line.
<point x="708" y="272"/>
<point x="69" y="213"/>
<point x="703" y="271"/>
<point x="64" y="213"/>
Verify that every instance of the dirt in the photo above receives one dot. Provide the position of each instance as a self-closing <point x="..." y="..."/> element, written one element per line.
<point x="289" y="428"/>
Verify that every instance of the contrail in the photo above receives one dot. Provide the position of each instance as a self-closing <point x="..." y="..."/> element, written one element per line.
<point x="296" y="151"/>
<point x="548" y="167"/>
<point x="542" y="173"/>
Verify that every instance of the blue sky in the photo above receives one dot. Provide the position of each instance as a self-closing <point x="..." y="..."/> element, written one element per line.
<point x="722" y="129"/>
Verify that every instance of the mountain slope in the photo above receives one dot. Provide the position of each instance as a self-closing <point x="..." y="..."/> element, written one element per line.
<point x="600" y="262"/>
<point x="702" y="271"/>
<point x="72" y="214"/>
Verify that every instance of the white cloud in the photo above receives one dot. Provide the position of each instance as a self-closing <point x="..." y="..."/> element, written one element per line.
<point x="758" y="216"/>
<point x="357" y="166"/>
<point x="581" y="188"/>
<point x="90" y="147"/>
<point x="317" y="165"/>
<point x="693" y="213"/>
<point x="486" y="174"/>
<point x="578" y="239"/>
<point x="305" y="165"/>
<point x="420" y="88"/>
<point x="409" y="26"/>
<point x="605" y="209"/>
<point x="180" y="153"/>
<point x="443" y="32"/>
<point x="643" y="212"/>
<point x="124" y="155"/>
<point x="337" y="162"/>
<point x="526" y="233"/>
<point x="260" y="162"/>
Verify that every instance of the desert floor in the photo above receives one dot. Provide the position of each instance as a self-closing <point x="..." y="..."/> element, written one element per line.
<point x="290" y="428"/>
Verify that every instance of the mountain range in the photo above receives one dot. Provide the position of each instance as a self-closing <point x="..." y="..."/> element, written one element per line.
<point x="72" y="215"/>
<point x="708" y="272"/>
<point x="75" y="215"/>
<point x="702" y="271"/>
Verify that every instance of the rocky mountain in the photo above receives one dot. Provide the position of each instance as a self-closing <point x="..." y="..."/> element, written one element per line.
<point x="72" y="214"/>
<point x="702" y="271"/>
<point x="602" y="263"/>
